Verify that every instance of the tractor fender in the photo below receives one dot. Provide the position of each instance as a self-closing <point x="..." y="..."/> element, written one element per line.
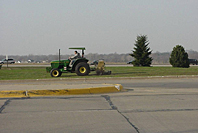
<point x="78" y="61"/>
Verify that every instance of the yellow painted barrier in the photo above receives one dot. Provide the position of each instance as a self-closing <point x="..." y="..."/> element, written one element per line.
<point x="32" y="93"/>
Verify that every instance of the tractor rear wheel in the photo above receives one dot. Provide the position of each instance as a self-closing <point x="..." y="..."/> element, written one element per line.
<point x="82" y="69"/>
<point x="55" y="72"/>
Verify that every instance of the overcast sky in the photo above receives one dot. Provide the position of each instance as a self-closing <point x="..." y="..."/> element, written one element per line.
<point x="41" y="27"/>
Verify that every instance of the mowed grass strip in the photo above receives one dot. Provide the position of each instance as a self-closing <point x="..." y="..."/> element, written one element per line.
<point x="14" y="73"/>
<point x="152" y="71"/>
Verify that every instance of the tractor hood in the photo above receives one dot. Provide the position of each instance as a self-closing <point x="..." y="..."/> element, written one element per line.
<point x="61" y="61"/>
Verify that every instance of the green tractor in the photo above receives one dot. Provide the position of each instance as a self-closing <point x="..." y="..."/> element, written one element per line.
<point x="80" y="66"/>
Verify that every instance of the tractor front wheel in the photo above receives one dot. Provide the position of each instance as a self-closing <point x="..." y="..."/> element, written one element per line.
<point x="82" y="69"/>
<point x="55" y="72"/>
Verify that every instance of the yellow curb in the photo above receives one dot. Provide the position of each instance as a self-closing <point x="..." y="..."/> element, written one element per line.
<point x="12" y="93"/>
<point x="32" y="93"/>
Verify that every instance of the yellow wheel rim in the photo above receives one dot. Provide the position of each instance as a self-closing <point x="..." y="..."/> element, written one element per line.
<point x="82" y="69"/>
<point x="55" y="73"/>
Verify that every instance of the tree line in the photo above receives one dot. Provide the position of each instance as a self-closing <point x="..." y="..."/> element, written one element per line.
<point x="158" y="57"/>
<point x="141" y="56"/>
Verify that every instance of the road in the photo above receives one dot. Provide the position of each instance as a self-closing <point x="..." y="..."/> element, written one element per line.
<point x="149" y="105"/>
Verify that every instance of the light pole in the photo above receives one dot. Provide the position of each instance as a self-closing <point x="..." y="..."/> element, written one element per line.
<point x="7" y="60"/>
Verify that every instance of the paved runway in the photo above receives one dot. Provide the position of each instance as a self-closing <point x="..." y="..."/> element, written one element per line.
<point x="148" y="105"/>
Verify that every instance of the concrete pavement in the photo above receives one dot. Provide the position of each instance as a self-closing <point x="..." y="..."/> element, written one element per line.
<point x="154" y="105"/>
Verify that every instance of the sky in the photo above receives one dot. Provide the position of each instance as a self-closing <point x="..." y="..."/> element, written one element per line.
<point x="42" y="27"/>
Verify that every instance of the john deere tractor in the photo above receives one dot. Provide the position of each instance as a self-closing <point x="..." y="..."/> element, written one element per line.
<point x="80" y="65"/>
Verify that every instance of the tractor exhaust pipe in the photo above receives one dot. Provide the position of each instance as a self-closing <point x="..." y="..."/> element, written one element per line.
<point x="59" y="56"/>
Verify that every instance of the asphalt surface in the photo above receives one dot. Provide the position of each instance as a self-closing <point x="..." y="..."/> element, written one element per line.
<point x="149" y="105"/>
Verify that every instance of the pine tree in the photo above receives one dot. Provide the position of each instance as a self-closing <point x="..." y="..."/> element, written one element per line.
<point x="179" y="58"/>
<point x="141" y="52"/>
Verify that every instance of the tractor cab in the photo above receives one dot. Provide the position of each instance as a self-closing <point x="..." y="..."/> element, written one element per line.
<point x="80" y="59"/>
<point x="82" y="48"/>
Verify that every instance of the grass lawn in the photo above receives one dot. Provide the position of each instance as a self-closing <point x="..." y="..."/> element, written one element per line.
<point x="14" y="73"/>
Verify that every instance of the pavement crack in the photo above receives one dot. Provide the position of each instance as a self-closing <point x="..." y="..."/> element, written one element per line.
<point x="108" y="99"/>
<point x="159" y="110"/>
<point x="3" y="107"/>
<point x="129" y="121"/>
<point x="58" y="111"/>
<point x="113" y="107"/>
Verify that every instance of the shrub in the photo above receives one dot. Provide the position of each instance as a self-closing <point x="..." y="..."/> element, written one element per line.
<point x="179" y="58"/>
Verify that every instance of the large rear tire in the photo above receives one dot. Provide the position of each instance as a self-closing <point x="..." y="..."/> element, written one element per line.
<point x="55" y="72"/>
<point x="82" y="69"/>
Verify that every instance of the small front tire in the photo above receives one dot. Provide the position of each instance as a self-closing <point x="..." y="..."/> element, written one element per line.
<point x="55" y="72"/>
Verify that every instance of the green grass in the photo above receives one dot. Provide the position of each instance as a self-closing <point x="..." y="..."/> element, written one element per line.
<point x="152" y="71"/>
<point x="14" y="73"/>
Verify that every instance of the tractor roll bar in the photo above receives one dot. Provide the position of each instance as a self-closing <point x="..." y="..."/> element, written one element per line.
<point x="80" y="48"/>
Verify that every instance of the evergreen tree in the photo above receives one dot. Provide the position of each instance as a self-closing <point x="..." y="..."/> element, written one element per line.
<point x="179" y="58"/>
<point x="141" y="52"/>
